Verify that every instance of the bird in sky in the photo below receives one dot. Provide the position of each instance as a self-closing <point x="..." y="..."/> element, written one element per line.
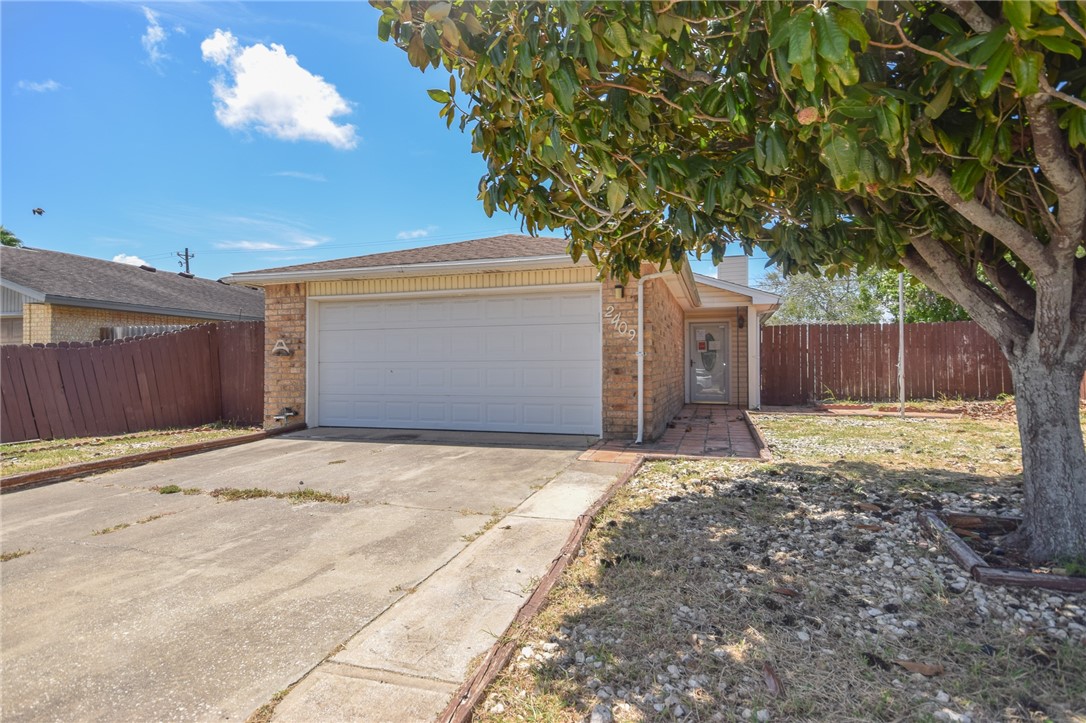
<point x="38" y="211"/>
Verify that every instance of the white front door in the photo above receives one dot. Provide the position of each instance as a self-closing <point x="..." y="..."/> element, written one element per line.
<point x="709" y="369"/>
<point x="524" y="362"/>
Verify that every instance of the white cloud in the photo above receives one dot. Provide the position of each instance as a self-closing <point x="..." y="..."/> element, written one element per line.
<point x="301" y="243"/>
<point x="44" y="86"/>
<point x="153" y="38"/>
<point x="302" y="175"/>
<point x="415" y="233"/>
<point x="129" y="259"/>
<point x="264" y="88"/>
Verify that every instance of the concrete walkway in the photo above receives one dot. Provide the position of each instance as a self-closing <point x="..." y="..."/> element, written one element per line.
<point x="193" y="608"/>
<point x="699" y="430"/>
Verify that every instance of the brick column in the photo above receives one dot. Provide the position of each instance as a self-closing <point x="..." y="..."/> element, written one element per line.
<point x="284" y="376"/>
<point x="619" y="361"/>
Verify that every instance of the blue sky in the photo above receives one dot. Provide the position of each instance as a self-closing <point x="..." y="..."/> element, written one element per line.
<point x="255" y="134"/>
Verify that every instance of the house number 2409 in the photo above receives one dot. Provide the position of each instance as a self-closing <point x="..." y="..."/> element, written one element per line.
<point x="620" y="326"/>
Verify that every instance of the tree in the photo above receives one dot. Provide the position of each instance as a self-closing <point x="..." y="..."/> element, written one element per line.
<point x="7" y="238"/>
<point x="921" y="303"/>
<point x="810" y="299"/>
<point x="855" y="297"/>
<point x="946" y="137"/>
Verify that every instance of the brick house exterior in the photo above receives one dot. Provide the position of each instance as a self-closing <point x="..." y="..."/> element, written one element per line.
<point x="49" y="296"/>
<point x="499" y="268"/>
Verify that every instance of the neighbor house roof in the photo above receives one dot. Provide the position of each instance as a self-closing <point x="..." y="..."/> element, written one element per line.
<point x="496" y="247"/>
<point x="69" y="280"/>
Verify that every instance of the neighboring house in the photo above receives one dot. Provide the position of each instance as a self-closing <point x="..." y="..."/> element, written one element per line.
<point x="49" y="296"/>
<point x="503" y="334"/>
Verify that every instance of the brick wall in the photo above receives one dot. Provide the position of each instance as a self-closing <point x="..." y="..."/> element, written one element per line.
<point x="665" y="374"/>
<point x="49" y="323"/>
<point x="284" y="376"/>
<point x="664" y="358"/>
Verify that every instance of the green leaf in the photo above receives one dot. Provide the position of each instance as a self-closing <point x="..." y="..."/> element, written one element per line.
<point x="1018" y="13"/>
<point x="1026" y="71"/>
<point x="651" y="43"/>
<point x="471" y="23"/>
<point x="1060" y="45"/>
<point x="989" y="81"/>
<point x="841" y="156"/>
<point x="450" y="32"/>
<point x="944" y="23"/>
<point x="770" y="151"/>
<point x="800" y="45"/>
<point x="965" y="178"/>
<point x="852" y="23"/>
<point x="938" y="104"/>
<point x="832" y="41"/>
<point x="617" y="191"/>
<point x="993" y="40"/>
<point x="615" y="36"/>
<point x="670" y="26"/>
<point x="438" y="95"/>
<point x="437" y="12"/>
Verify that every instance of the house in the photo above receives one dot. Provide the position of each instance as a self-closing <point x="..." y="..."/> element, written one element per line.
<point x="49" y="296"/>
<point x="505" y="334"/>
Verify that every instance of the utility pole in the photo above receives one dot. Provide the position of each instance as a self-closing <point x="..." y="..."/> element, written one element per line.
<point x="185" y="259"/>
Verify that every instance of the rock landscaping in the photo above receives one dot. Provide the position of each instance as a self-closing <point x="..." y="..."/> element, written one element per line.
<point x="804" y="589"/>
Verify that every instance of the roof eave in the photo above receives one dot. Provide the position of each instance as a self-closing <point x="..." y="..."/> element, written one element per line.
<point x="756" y="296"/>
<point x="24" y="290"/>
<point x="144" y="309"/>
<point x="456" y="267"/>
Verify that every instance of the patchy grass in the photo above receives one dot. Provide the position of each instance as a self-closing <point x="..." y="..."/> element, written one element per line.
<point x="174" y="489"/>
<point x="123" y="525"/>
<point x="496" y="516"/>
<point x="233" y="494"/>
<point x="34" y="456"/>
<point x="13" y="555"/>
<point x="706" y="588"/>
<point x="115" y="528"/>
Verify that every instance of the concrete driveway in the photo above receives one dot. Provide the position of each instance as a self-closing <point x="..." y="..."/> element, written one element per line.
<point x="201" y="609"/>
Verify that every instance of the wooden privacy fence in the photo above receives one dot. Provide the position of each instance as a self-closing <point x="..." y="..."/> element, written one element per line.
<point x="809" y="362"/>
<point x="204" y="374"/>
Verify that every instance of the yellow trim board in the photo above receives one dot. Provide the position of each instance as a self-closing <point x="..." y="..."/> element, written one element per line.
<point x="452" y="282"/>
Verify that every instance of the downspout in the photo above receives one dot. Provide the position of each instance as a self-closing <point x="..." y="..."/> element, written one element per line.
<point x="641" y="353"/>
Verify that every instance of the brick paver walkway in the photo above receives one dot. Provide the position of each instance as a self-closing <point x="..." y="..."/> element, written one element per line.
<point x="699" y="430"/>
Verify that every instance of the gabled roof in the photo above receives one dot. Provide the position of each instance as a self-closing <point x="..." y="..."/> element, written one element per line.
<point x="509" y="246"/>
<point x="756" y="296"/>
<point x="71" y="280"/>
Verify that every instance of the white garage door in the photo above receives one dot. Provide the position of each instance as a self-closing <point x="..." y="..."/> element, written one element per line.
<point x="501" y="362"/>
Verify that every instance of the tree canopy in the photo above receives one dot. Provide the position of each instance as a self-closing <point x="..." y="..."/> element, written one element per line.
<point x="7" y="238"/>
<point x="946" y="136"/>
<point x="856" y="297"/>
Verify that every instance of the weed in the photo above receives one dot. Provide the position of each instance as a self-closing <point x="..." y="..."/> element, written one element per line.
<point x="107" y="530"/>
<point x="1073" y="566"/>
<point x="191" y="491"/>
<point x="13" y="555"/>
<point x="233" y="494"/>
<point x="405" y="589"/>
<point x="337" y="461"/>
<point x="496" y="515"/>
<point x="167" y="489"/>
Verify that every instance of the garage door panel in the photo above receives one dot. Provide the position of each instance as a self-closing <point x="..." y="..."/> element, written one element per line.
<point x="505" y="362"/>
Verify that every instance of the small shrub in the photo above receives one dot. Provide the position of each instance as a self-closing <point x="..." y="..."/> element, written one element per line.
<point x="167" y="490"/>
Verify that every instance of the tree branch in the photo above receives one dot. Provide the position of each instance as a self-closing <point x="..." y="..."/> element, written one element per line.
<point x="971" y="13"/>
<point x="1054" y="158"/>
<point x="983" y="305"/>
<point x="1020" y="241"/>
<point x="1019" y="295"/>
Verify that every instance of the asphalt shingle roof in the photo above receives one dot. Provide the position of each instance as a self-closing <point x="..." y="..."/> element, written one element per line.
<point x="67" y="276"/>
<point x="495" y="247"/>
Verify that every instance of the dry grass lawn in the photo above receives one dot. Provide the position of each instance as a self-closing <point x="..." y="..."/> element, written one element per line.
<point x="20" y="457"/>
<point x="801" y="590"/>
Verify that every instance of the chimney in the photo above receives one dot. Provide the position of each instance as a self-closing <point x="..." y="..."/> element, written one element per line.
<point x="734" y="269"/>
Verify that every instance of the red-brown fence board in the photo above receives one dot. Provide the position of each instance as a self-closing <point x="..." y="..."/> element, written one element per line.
<point x="804" y="363"/>
<point x="195" y="376"/>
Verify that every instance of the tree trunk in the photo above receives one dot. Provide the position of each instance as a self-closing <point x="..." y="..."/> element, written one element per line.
<point x="1053" y="456"/>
